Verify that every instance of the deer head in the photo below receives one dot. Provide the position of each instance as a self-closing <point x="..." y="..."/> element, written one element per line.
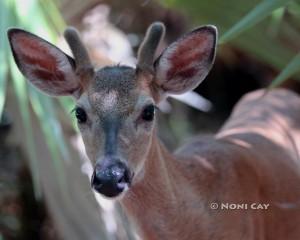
<point x="115" y="105"/>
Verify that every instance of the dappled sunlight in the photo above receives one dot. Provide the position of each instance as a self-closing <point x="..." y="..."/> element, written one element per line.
<point x="271" y="122"/>
<point x="204" y="162"/>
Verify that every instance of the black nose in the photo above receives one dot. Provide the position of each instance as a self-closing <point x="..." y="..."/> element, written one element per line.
<point x="111" y="180"/>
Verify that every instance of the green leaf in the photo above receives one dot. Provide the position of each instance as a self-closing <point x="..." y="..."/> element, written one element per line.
<point x="19" y="85"/>
<point x="3" y="53"/>
<point x="291" y="69"/>
<point x="3" y="80"/>
<point x="43" y="107"/>
<point x="68" y="104"/>
<point x="260" y="12"/>
<point x="22" y="97"/>
<point x="47" y="19"/>
<point x="55" y="18"/>
<point x="276" y="19"/>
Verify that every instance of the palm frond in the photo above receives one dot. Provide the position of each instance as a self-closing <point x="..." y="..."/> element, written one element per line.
<point x="292" y="68"/>
<point x="260" y="12"/>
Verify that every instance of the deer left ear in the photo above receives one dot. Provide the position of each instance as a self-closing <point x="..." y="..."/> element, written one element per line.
<point x="185" y="63"/>
<point x="44" y="65"/>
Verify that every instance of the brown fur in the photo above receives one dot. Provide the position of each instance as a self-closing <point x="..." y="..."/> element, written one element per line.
<point x="253" y="159"/>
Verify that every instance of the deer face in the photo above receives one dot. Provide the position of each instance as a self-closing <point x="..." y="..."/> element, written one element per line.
<point x="116" y="119"/>
<point x="115" y="105"/>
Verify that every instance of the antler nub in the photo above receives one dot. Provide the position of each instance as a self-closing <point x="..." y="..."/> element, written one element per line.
<point x="82" y="60"/>
<point x="154" y="35"/>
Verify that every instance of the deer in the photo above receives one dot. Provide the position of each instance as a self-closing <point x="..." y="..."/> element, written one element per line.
<point x="241" y="183"/>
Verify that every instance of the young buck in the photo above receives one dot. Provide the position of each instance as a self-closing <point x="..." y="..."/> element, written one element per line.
<point x="243" y="183"/>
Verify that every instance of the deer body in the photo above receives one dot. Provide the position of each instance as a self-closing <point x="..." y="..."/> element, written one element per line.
<point x="254" y="159"/>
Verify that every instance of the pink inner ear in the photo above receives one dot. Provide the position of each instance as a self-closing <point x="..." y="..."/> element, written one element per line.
<point x="43" y="64"/>
<point x="185" y="57"/>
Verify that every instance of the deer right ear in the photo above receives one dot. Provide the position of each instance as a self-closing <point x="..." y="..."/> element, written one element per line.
<point x="43" y="64"/>
<point x="185" y="63"/>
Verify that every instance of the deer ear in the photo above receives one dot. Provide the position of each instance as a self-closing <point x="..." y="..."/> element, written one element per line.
<point x="185" y="63"/>
<point x="43" y="64"/>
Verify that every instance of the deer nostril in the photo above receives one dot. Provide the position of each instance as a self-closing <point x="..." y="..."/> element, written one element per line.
<point x="122" y="179"/>
<point x="95" y="181"/>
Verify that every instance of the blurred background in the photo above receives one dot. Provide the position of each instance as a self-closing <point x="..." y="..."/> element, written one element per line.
<point x="44" y="173"/>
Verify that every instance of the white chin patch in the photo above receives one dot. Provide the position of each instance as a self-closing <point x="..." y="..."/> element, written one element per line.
<point x="125" y="189"/>
<point x="123" y="185"/>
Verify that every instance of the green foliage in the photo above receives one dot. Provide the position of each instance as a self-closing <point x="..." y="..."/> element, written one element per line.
<point x="22" y="97"/>
<point x="260" y="12"/>
<point x="267" y="30"/>
<point x="4" y="21"/>
<point x="292" y="68"/>
<point x="40" y="17"/>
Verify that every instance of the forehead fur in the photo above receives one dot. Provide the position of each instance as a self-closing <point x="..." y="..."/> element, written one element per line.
<point x="118" y="78"/>
<point x="113" y="89"/>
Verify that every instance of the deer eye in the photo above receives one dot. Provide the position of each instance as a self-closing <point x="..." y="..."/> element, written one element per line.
<point x="148" y="113"/>
<point x="80" y="115"/>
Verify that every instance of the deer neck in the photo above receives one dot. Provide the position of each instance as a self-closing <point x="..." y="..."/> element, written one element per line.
<point x="156" y="178"/>
<point x="160" y="199"/>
